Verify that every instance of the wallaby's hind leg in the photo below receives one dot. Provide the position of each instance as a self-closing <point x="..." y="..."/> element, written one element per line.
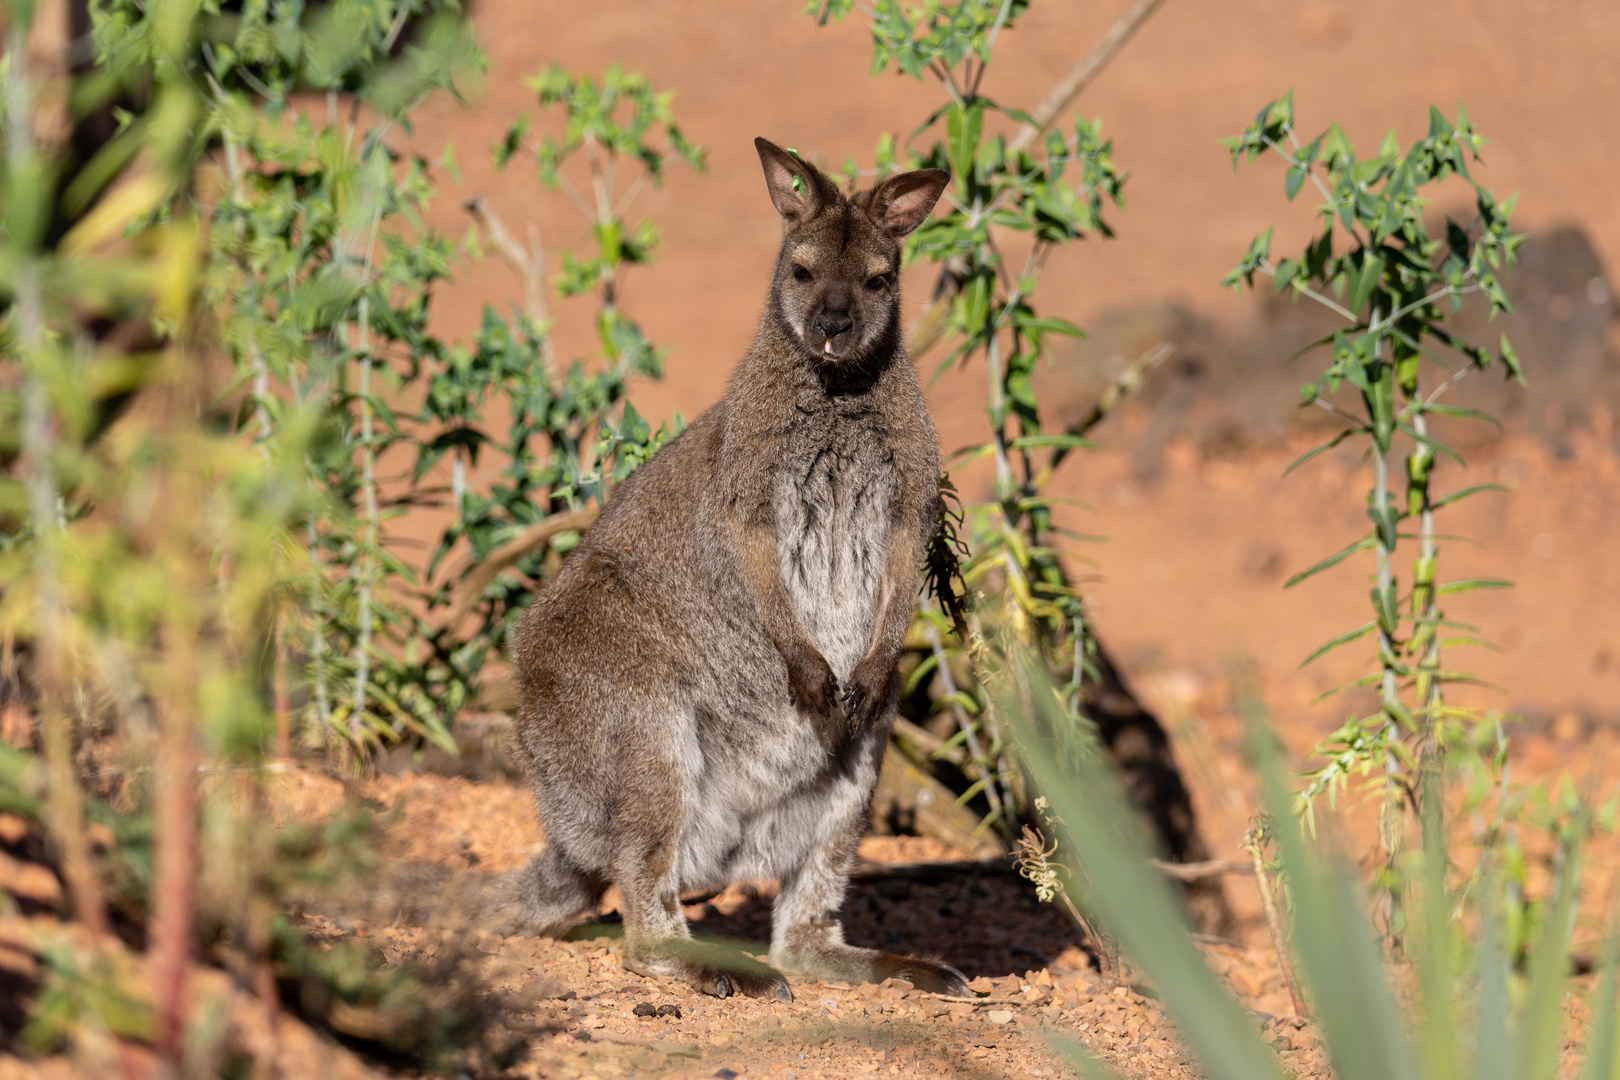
<point x="656" y="938"/>
<point x="807" y="935"/>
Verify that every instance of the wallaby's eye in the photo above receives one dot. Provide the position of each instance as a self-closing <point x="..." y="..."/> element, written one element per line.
<point x="801" y="274"/>
<point x="877" y="282"/>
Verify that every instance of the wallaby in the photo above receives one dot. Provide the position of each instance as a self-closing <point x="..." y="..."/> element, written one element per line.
<point x="706" y="687"/>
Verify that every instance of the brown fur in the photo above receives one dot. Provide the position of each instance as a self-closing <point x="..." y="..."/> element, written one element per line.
<point x="706" y="688"/>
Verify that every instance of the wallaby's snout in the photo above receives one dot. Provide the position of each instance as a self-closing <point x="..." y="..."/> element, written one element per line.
<point x="837" y="287"/>
<point x="833" y="322"/>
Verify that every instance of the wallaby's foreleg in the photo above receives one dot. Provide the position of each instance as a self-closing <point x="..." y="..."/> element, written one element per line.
<point x="656" y="938"/>
<point x="807" y="936"/>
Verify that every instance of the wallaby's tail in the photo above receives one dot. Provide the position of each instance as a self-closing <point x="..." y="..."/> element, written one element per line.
<point x="545" y="897"/>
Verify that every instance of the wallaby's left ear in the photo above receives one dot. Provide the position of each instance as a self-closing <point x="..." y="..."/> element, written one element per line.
<point x="904" y="201"/>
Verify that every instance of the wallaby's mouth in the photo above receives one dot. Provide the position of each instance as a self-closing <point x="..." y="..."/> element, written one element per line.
<point x="832" y="340"/>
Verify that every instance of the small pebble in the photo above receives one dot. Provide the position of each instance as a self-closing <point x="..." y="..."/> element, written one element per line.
<point x="645" y="1008"/>
<point x="999" y="1016"/>
<point x="670" y="1010"/>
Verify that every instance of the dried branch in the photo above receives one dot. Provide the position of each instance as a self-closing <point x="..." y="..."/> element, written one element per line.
<point x="1081" y="75"/>
<point x="1251" y="843"/>
<point x="530" y="265"/>
<point x="1198" y="871"/>
<point x="1128" y="381"/>
<point x="476" y="576"/>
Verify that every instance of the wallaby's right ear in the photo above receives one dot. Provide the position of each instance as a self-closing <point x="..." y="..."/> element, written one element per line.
<point x="790" y="181"/>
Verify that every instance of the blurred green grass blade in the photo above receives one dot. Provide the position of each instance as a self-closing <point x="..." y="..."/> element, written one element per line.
<point x="1493" y="1051"/>
<point x="1086" y="1063"/>
<point x="1133" y="902"/>
<point x="1600" y="1037"/>
<point x="1438" y="1032"/>
<point x="1542" y="1019"/>
<point x="1339" y="961"/>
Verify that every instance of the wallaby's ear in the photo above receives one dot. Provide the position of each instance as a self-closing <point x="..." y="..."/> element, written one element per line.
<point x="905" y="200"/>
<point x="791" y="182"/>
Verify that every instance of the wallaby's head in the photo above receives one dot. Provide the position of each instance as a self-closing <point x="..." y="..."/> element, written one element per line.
<point x="837" y="283"/>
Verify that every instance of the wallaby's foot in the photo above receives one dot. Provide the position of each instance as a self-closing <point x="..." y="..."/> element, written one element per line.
<point x="720" y="972"/>
<point x="852" y="964"/>
<point x="767" y="984"/>
<point x="929" y="976"/>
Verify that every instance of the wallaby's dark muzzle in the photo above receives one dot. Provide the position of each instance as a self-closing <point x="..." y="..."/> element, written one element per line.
<point x="830" y="326"/>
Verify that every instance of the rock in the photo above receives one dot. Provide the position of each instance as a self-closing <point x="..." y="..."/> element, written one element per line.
<point x="999" y="1016"/>
<point x="1246" y="981"/>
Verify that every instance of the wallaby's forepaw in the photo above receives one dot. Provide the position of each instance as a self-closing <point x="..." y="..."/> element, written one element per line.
<point x="812" y="683"/>
<point x="871" y="687"/>
<point x="929" y="976"/>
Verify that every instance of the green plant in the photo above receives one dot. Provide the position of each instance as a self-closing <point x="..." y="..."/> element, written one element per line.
<point x="152" y="558"/>
<point x="1518" y="1027"/>
<point x="1375" y="264"/>
<point x="322" y="273"/>
<point x="564" y="448"/>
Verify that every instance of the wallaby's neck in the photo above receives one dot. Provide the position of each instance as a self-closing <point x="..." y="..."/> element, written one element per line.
<point x="778" y="346"/>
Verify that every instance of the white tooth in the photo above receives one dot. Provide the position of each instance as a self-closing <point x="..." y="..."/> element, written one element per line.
<point x="826" y="347"/>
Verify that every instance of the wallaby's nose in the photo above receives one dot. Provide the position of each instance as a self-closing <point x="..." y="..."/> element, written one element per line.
<point x="831" y="325"/>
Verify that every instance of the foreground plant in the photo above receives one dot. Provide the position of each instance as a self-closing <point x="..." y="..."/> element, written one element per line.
<point x="1517" y="1028"/>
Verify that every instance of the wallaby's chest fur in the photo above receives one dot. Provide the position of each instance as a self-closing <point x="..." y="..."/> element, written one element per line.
<point x="833" y="501"/>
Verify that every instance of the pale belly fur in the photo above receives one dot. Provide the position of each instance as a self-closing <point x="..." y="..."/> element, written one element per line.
<point x="832" y="541"/>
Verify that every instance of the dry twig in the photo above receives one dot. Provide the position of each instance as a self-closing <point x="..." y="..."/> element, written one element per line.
<point x="1252" y="841"/>
<point x="1080" y="76"/>
<point x="476" y="576"/>
<point x="530" y="265"/>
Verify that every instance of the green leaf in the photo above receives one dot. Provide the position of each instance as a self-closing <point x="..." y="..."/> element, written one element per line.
<point x="1457" y="411"/>
<point x="1343" y="639"/>
<point x="963" y="126"/>
<point x="1462" y="585"/>
<point x="1324" y="448"/>
<point x="1067" y="442"/>
<point x="919" y="673"/>
<point x="1602" y="1058"/>
<point x="1431" y="443"/>
<point x="1364" y="279"/>
<point x="1542" y="1019"/>
<point x="1463" y="493"/>
<point x="1493" y="1055"/>
<point x="1438" y="1045"/>
<point x="1335" y="559"/>
<point x="1338" y="960"/>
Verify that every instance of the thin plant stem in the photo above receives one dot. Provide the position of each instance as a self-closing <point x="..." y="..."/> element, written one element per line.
<point x="368" y="557"/>
<point x="964" y="723"/>
<point x="64" y="798"/>
<point x="1279" y="940"/>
